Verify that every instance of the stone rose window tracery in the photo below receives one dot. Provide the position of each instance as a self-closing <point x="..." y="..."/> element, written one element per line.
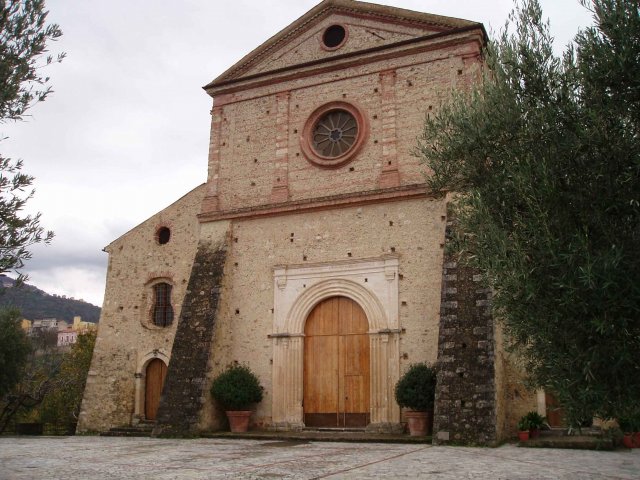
<point x="333" y="134"/>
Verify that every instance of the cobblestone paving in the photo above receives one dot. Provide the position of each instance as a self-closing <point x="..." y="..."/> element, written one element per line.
<point x="99" y="458"/>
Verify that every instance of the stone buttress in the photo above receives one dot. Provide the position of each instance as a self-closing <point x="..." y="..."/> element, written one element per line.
<point x="184" y="391"/>
<point x="465" y="405"/>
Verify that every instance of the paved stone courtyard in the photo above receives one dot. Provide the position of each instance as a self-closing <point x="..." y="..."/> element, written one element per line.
<point x="98" y="458"/>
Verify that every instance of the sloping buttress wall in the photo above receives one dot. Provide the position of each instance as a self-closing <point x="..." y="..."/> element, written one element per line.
<point x="465" y="406"/>
<point x="184" y="391"/>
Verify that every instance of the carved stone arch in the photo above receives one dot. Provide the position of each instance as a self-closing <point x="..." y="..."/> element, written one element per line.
<point x="372" y="284"/>
<point x="315" y="294"/>
<point x="144" y="360"/>
<point x="140" y="380"/>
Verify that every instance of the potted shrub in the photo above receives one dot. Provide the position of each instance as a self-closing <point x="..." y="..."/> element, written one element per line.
<point x="536" y="422"/>
<point x="523" y="429"/>
<point x="630" y="427"/>
<point x="416" y="390"/>
<point x="236" y="390"/>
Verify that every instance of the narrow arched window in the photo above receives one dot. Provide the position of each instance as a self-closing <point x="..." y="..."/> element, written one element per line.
<point x="162" y="309"/>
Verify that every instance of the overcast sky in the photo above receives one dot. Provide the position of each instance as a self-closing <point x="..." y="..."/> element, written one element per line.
<point x="126" y="131"/>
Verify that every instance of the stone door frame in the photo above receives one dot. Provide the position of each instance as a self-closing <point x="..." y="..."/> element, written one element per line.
<point x="372" y="284"/>
<point x="140" y="382"/>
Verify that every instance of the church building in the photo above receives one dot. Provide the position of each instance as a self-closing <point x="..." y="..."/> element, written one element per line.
<point x="314" y="253"/>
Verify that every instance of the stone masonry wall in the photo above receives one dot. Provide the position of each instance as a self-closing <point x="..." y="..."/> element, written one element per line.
<point x="127" y="338"/>
<point x="256" y="161"/>
<point x="256" y="152"/>
<point x="465" y="408"/>
<point x="184" y="392"/>
<point x="245" y="318"/>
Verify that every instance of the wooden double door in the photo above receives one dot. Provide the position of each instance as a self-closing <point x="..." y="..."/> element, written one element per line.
<point x="154" y="380"/>
<point x="336" y="365"/>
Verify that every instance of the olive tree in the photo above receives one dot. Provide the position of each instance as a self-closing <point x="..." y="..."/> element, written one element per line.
<point x="24" y="36"/>
<point x="544" y="157"/>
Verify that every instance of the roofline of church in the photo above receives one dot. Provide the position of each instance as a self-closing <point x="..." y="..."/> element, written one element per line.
<point x="106" y="249"/>
<point x="222" y="83"/>
<point x="348" y="6"/>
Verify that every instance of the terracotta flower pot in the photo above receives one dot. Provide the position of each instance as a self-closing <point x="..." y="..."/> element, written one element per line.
<point x="419" y="423"/>
<point x="631" y="440"/>
<point x="523" y="435"/>
<point x="239" y="420"/>
<point x="534" y="433"/>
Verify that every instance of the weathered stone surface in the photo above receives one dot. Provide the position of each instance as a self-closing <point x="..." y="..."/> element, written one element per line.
<point x="184" y="388"/>
<point x="127" y="339"/>
<point x="465" y="396"/>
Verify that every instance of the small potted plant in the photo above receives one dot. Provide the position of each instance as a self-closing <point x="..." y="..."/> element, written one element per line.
<point x="416" y="390"/>
<point x="630" y="427"/>
<point x="237" y="389"/>
<point x="536" y="423"/>
<point x="523" y="429"/>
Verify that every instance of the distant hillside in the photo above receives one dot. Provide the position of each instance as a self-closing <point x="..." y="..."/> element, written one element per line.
<point x="35" y="304"/>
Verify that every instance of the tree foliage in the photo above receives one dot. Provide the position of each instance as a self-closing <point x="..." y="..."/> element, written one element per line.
<point x="38" y="378"/>
<point x="23" y="40"/>
<point x="51" y="384"/>
<point x="62" y="405"/>
<point x="24" y="35"/>
<point x="18" y="232"/>
<point x="14" y="349"/>
<point x="545" y="155"/>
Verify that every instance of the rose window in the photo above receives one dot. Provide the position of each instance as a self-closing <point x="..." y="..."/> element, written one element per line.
<point x="334" y="133"/>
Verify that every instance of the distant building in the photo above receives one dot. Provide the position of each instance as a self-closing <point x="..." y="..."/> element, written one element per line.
<point x="83" y="327"/>
<point x="45" y="323"/>
<point x="67" y="337"/>
<point x="26" y="325"/>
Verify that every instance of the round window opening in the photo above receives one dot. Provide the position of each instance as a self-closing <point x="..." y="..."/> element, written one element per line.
<point x="334" y="133"/>
<point x="333" y="36"/>
<point x="163" y="235"/>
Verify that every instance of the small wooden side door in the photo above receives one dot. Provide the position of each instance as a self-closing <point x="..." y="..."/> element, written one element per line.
<point x="155" y="374"/>
<point x="336" y="365"/>
<point x="555" y="413"/>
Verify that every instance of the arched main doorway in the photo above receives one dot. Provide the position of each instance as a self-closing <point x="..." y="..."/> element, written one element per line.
<point x="155" y="373"/>
<point x="336" y="365"/>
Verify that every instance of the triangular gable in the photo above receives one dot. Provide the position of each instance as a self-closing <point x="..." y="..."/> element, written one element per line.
<point x="194" y="196"/>
<point x="368" y="26"/>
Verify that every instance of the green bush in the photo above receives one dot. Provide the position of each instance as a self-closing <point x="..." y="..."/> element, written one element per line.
<point x="416" y="389"/>
<point x="630" y="423"/>
<point x="237" y="388"/>
<point x="524" y="425"/>
<point x="536" y="421"/>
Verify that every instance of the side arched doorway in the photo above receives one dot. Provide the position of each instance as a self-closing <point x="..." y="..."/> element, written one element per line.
<point x="155" y="373"/>
<point x="336" y="365"/>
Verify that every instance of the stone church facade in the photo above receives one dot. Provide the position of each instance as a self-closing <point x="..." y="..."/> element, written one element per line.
<point x="314" y="252"/>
